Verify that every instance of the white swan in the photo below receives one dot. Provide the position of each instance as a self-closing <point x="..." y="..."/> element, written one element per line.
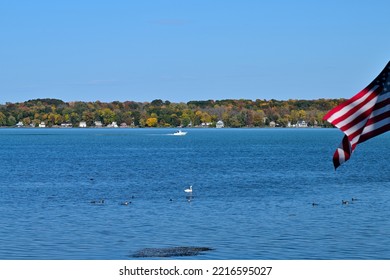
<point x="189" y="190"/>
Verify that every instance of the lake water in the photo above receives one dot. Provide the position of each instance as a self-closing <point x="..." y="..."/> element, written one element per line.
<point x="252" y="198"/>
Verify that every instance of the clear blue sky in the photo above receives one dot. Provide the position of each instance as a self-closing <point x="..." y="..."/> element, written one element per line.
<point x="181" y="50"/>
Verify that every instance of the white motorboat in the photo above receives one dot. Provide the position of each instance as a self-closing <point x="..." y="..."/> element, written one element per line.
<point x="180" y="133"/>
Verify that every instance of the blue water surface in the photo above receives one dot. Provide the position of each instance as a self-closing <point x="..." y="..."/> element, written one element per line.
<point x="253" y="194"/>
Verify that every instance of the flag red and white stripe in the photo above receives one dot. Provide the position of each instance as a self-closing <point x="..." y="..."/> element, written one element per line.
<point x="362" y="117"/>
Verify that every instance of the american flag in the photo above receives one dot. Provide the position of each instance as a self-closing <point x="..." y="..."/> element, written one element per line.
<point x="362" y="117"/>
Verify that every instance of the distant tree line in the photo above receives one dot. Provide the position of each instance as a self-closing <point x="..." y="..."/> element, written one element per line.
<point x="159" y="113"/>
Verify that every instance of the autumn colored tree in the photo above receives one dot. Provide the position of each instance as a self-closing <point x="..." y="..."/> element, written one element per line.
<point x="151" y="122"/>
<point x="3" y="119"/>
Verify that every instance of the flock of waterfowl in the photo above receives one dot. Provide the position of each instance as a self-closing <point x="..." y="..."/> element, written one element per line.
<point x="101" y="202"/>
<point x="189" y="191"/>
<point x="128" y="202"/>
<point x="343" y="202"/>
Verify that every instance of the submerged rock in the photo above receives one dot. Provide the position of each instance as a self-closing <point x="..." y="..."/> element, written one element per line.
<point x="169" y="252"/>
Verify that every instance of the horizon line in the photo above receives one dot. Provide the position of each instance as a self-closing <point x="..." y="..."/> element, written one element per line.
<point x="178" y="102"/>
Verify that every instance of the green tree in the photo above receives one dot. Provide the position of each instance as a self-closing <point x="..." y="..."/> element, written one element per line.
<point x="54" y="119"/>
<point x="11" y="121"/>
<point x="185" y="120"/>
<point x="157" y="103"/>
<point x="127" y="118"/>
<point x="136" y="117"/>
<point x="74" y="118"/>
<point x="107" y="116"/>
<point x="175" y="120"/>
<point x="88" y="117"/>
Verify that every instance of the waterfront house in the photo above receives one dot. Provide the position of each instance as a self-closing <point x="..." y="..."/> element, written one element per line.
<point x="220" y="124"/>
<point x="113" y="124"/>
<point x="98" y="124"/>
<point x="301" y="124"/>
<point x="63" y="125"/>
<point x="83" y="124"/>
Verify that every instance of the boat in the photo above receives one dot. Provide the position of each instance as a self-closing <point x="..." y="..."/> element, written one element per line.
<point x="189" y="190"/>
<point x="180" y="133"/>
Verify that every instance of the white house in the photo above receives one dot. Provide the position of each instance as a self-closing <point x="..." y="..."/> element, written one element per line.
<point x="66" y="125"/>
<point x="98" y="124"/>
<point x="42" y="124"/>
<point x="220" y="124"/>
<point x="301" y="124"/>
<point x="83" y="124"/>
<point x="20" y="124"/>
<point x="113" y="124"/>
